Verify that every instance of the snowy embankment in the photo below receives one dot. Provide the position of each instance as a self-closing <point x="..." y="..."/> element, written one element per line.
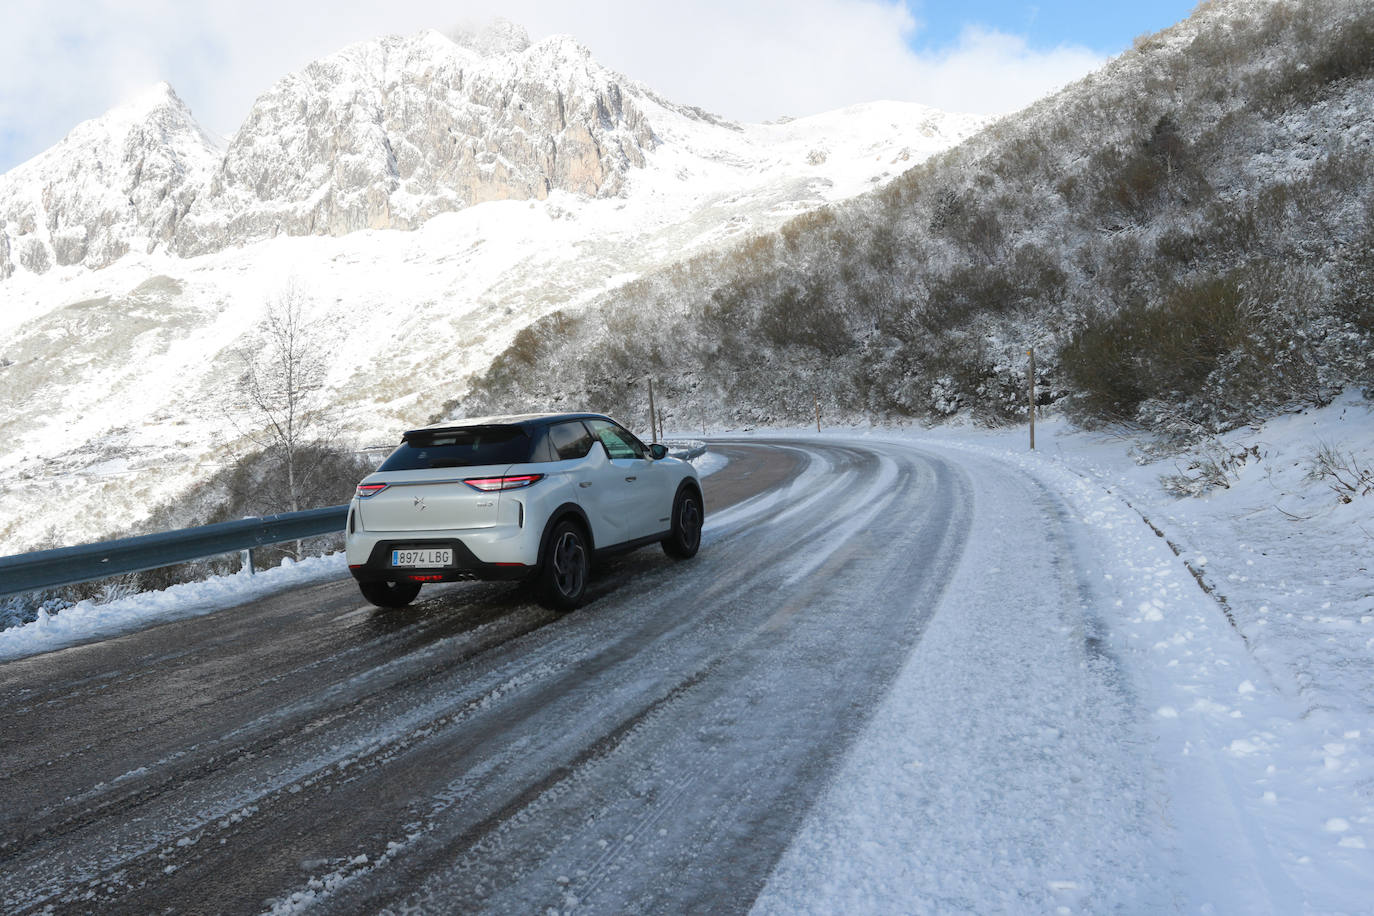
<point x="1210" y="750"/>
<point x="88" y="620"/>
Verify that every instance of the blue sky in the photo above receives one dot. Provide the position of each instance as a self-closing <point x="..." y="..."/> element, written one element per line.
<point x="64" y="61"/>
<point x="1107" y="28"/>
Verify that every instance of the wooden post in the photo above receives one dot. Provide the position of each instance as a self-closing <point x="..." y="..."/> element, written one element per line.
<point x="653" y="416"/>
<point x="817" y="398"/>
<point x="1030" y="376"/>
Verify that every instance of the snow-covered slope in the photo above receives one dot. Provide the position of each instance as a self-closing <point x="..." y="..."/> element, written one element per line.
<point x="113" y="382"/>
<point x="987" y="781"/>
<point x="1184" y="237"/>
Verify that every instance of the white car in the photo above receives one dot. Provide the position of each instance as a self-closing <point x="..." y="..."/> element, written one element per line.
<point x="533" y="497"/>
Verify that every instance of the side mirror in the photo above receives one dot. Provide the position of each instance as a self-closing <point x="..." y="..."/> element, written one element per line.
<point x="658" y="451"/>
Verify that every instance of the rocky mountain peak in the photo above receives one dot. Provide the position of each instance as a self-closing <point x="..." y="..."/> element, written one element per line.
<point x="116" y="182"/>
<point x="382" y="134"/>
<point x="387" y="133"/>
<point x="498" y="36"/>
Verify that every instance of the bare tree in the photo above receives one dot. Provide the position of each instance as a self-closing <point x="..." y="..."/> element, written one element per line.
<point x="280" y="387"/>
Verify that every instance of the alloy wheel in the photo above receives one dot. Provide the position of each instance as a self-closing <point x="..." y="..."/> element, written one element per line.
<point x="569" y="564"/>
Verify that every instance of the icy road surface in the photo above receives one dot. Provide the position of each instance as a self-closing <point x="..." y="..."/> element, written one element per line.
<point x="687" y="742"/>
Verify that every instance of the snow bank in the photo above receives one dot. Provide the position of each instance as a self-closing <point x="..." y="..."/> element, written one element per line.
<point x="1236" y="634"/>
<point x="88" y="621"/>
<point x="709" y="463"/>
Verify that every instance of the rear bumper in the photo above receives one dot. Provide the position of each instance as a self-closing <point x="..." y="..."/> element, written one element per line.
<point x="377" y="566"/>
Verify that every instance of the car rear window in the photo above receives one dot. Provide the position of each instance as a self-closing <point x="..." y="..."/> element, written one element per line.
<point x="461" y="448"/>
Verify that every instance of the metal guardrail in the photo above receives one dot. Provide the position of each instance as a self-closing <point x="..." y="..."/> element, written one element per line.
<point x="87" y="562"/>
<point x="686" y="451"/>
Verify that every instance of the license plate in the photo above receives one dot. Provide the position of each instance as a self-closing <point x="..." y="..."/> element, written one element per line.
<point x="427" y="557"/>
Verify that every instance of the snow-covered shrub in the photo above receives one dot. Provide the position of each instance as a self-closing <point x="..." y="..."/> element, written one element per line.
<point x="1147" y="350"/>
<point x="803" y="317"/>
<point x="18" y="610"/>
<point x="1211" y="466"/>
<point x="944" y="396"/>
<point x="1347" y="474"/>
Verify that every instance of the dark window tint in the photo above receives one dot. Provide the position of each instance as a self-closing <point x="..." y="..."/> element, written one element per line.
<point x="543" y="449"/>
<point x="461" y="448"/>
<point x="570" y="440"/>
<point x="619" y="442"/>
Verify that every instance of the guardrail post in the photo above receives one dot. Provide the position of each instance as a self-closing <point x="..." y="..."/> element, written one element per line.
<point x="246" y="558"/>
<point x="653" y="415"/>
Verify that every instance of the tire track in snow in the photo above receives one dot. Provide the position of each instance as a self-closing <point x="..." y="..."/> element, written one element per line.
<point x="664" y="753"/>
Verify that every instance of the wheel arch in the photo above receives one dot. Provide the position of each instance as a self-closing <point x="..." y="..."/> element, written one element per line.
<point x="565" y="512"/>
<point x="691" y="483"/>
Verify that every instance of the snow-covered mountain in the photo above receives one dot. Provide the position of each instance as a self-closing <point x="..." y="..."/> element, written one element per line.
<point x="381" y="135"/>
<point x="530" y="179"/>
<point x="387" y="133"/>
<point x="115" y="184"/>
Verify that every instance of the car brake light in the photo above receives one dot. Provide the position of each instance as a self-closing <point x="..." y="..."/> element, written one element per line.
<point x="370" y="489"/>
<point x="515" y="482"/>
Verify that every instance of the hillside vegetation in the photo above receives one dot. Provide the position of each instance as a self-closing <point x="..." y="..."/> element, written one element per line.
<point x="1186" y="237"/>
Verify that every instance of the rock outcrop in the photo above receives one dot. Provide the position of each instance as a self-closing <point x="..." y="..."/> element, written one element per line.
<point x="388" y="133"/>
<point x="118" y="182"/>
<point x="381" y="135"/>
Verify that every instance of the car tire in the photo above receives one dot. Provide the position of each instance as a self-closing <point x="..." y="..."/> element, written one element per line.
<point x="389" y="594"/>
<point x="684" y="540"/>
<point x="567" y="566"/>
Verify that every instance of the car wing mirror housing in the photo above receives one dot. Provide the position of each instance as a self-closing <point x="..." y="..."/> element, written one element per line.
<point x="658" y="451"/>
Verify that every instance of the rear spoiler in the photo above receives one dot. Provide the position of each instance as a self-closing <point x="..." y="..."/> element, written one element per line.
<point x="430" y="432"/>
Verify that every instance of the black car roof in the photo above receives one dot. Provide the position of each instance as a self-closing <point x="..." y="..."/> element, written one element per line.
<point x="527" y="421"/>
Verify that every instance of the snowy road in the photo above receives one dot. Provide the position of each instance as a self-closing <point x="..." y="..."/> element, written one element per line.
<point x="687" y="742"/>
<point x="656" y="750"/>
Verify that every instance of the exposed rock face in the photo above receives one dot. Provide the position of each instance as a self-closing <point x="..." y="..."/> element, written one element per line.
<point x="119" y="181"/>
<point x="500" y="36"/>
<point x="386" y="134"/>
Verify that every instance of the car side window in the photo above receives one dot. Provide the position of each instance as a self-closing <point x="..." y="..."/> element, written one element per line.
<point x="570" y="440"/>
<point x="618" y="441"/>
<point x="543" y="450"/>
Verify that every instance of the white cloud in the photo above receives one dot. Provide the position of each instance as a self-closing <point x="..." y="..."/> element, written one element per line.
<point x="67" y="61"/>
<point x="993" y="73"/>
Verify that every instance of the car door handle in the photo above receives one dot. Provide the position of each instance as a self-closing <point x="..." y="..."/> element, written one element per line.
<point x="632" y="478"/>
<point x="584" y="483"/>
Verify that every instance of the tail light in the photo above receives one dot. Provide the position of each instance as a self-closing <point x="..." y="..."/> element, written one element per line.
<point x="515" y="482"/>
<point x="370" y="489"/>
